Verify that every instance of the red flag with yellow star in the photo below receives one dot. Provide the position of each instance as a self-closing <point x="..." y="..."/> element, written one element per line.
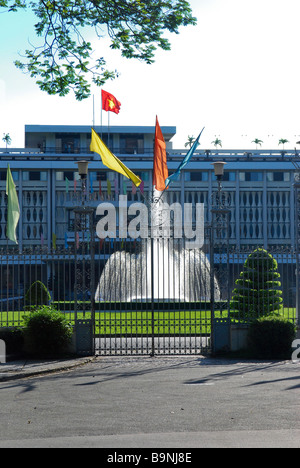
<point x="110" y="103"/>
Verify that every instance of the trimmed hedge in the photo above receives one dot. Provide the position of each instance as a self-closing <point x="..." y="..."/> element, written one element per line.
<point x="37" y="295"/>
<point x="47" y="332"/>
<point x="258" y="291"/>
<point x="271" y="337"/>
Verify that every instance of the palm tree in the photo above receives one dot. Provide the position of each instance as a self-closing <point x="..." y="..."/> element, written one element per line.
<point x="6" y="138"/>
<point x="190" y="142"/>
<point x="217" y="142"/>
<point x="282" y="142"/>
<point x="257" y="142"/>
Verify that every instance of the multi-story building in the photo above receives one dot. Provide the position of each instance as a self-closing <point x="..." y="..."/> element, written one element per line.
<point x="257" y="185"/>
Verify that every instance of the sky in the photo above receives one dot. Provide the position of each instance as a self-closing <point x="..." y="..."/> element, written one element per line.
<point x="237" y="73"/>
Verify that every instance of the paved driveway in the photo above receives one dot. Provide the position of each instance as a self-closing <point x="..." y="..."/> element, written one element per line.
<point x="155" y="402"/>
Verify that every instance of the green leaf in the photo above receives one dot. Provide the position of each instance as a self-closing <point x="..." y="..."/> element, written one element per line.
<point x="135" y="28"/>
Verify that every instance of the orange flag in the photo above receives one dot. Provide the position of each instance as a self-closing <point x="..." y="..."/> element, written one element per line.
<point x="160" y="168"/>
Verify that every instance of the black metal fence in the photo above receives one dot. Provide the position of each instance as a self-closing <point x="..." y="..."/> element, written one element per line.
<point x="149" y="296"/>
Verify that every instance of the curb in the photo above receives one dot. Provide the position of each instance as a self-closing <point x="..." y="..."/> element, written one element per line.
<point x="45" y="369"/>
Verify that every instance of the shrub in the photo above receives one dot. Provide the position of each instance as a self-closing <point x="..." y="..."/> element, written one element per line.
<point x="47" y="332"/>
<point x="37" y="295"/>
<point x="258" y="292"/>
<point x="271" y="337"/>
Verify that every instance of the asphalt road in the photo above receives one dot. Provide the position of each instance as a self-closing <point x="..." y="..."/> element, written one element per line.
<point x="156" y="402"/>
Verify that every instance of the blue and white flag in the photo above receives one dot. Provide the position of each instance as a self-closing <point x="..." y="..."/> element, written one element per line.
<point x="187" y="158"/>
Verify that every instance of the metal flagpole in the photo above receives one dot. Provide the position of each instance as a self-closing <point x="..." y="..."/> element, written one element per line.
<point x="93" y="111"/>
<point x="101" y="116"/>
<point x="108" y="122"/>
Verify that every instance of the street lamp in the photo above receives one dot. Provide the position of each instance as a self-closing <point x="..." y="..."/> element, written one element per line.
<point x="83" y="168"/>
<point x="219" y="169"/>
<point x="83" y="171"/>
<point x="84" y="267"/>
<point x="219" y="244"/>
<point x="219" y="173"/>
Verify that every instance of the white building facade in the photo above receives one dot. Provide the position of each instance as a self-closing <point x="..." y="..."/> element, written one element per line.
<point x="258" y="185"/>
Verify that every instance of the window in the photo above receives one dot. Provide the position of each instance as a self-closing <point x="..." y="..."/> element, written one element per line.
<point x="35" y="175"/>
<point x="15" y="175"/>
<point x="131" y="144"/>
<point x="67" y="142"/>
<point x="251" y="176"/>
<point x="227" y="177"/>
<point x="142" y="175"/>
<point x="278" y="176"/>
<point x="63" y="175"/>
<point x="99" y="175"/>
<point x="196" y="176"/>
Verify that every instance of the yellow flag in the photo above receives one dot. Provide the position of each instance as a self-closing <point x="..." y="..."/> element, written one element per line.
<point x="110" y="160"/>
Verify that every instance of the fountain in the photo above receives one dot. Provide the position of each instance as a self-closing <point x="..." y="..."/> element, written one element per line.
<point x="179" y="274"/>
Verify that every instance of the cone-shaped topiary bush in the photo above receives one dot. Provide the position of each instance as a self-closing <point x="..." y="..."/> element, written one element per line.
<point x="37" y="295"/>
<point x="258" y="290"/>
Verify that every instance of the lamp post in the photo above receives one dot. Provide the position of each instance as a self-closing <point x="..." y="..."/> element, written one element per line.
<point x="219" y="244"/>
<point x="219" y="173"/>
<point x="84" y="253"/>
<point x="83" y="171"/>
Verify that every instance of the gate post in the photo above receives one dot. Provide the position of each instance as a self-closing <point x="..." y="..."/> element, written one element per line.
<point x="84" y="337"/>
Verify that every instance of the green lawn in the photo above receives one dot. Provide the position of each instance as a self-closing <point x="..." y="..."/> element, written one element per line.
<point x="168" y="322"/>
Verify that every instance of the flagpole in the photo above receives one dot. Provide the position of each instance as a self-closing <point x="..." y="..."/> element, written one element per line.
<point x="108" y="122"/>
<point x="101" y="116"/>
<point x="93" y="111"/>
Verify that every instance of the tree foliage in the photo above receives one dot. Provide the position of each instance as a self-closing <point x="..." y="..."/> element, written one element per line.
<point x="6" y="138"/>
<point x="257" y="141"/>
<point x="190" y="141"/>
<point x="217" y="142"/>
<point x="282" y="142"/>
<point x="64" y="60"/>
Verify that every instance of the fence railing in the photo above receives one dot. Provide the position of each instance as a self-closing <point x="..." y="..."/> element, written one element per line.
<point x="123" y="281"/>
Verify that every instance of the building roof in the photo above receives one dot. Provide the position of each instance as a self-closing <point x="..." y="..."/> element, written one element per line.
<point x="168" y="131"/>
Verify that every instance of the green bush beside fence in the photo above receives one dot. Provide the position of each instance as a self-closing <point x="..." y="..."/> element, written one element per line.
<point x="47" y="332"/>
<point x="271" y="337"/>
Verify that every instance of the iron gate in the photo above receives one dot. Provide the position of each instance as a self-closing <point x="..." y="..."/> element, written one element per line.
<point x="156" y="293"/>
<point x="152" y="297"/>
<point x="157" y="296"/>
